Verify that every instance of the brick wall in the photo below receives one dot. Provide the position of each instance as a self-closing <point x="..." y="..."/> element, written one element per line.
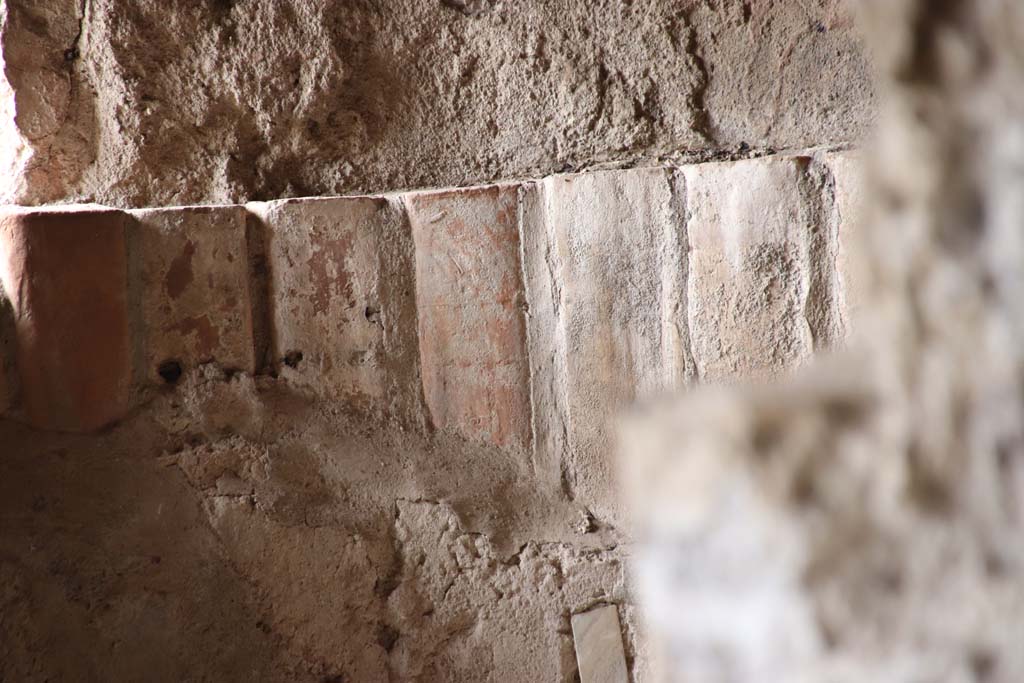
<point x="519" y="315"/>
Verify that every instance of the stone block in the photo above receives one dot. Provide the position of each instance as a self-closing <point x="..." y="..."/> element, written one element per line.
<point x="340" y="293"/>
<point x="597" y="636"/>
<point x="613" y="250"/>
<point x="847" y="169"/>
<point x="472" y="329"/>
<point x="748" y="227"/>
<point x="192" y="287"/>
<point x="546" y="342"/>
<point x="65" y="272"/>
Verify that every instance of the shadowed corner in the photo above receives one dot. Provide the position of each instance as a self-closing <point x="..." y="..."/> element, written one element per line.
<point x="8" y="376"/>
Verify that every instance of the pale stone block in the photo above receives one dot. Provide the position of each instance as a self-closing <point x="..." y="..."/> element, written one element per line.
<point x="472" y="330"/>
<point x="748" y="226"/>
<point x="849" y="212"/>
<point x="598" y="639"/>
<point x="613" y="252"/>
<point x="546" y="342"/>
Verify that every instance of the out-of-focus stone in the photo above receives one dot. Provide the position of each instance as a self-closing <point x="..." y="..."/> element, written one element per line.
<point x="66" y="275"/>
<point x="748" y="226"/>
<point x="598" y="639"/>
<point x="469" y="293"/>
<point x="342" y="312"/>
<point x="617" y="274"/>
<point x="193" y="280"/>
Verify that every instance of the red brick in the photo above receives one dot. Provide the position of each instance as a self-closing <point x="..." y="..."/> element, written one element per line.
<point x="66" y="275"/>
<point x="193" y="287"/>
<point x="469" y="297"/>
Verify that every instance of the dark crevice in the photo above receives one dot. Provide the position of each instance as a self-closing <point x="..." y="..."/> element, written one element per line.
<point x="170" y="371"/>
<point x="73" y="53"/>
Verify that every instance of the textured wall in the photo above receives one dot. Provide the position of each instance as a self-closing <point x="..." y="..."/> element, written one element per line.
<point x="371" y="437"/>
<point x="381" y="427"/>
<point x="146" y="103"/>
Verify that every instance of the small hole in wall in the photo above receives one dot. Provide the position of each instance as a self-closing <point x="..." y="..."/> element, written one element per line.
<point x="373" y="314"/>
<point x="169" y="371"/>
<point x="293" y="358"/>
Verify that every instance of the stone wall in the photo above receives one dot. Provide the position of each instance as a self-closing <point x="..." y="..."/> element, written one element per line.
<point x="266" y="413"/>
<point x="382" y="427"/>
<point x="143" y="103"/>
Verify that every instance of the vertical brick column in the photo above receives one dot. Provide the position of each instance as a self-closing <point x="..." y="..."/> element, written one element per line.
<point x="65" y="273"/>
<point x="472" y="330"/>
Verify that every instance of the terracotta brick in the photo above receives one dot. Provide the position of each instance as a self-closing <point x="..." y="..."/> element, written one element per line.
<point x="469" y="296"/>
<point x="66" y="274"/>
<point x="193" y="286"/>
<point x="748" y="228"/>
<point x="340" y="293"/>
<point x="612" y="261"/>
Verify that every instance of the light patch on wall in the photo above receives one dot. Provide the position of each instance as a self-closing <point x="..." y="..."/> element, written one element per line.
<point x="14" y="150"/>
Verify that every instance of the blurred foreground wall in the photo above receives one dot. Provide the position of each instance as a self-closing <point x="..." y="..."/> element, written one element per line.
<point x="863" y="521"/>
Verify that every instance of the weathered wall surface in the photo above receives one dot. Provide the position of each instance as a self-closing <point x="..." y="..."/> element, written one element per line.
<point x="142" y="103"/>
<point x="370" y="437"/>
<point x="378" y="429"/>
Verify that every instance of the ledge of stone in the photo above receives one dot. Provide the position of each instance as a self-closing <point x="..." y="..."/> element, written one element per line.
<point x="521" y="315"/>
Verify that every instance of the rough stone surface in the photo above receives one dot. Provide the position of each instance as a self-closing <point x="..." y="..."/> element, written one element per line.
<point x="283" y="509"/>
<point x="470" y="303"/>
<point x="748" y="229"/>
<point x="237" y="530"/>
<point x="351" y="538"/>
<point x="138" y="103"/>
<point x="342" y="310"/>
<point x="67" y="277"/>
<point x="193" y="288"/>
<point x="395" y="460"/>
<point x="48" y="125"/>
